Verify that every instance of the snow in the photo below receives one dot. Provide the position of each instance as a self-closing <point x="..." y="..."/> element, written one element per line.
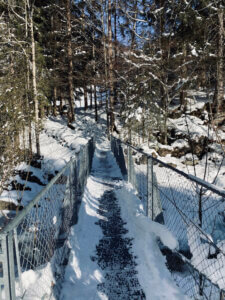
<point x="83" y="274"/>
<point x="36" y="284"/>
<point x="180" y="143"/>
<point x="192" y="124"/>
<point x="214" y="270"/>
<point x="29" y="278"/>
<point x="58" y="144"/>
<point x="194" y="52"/>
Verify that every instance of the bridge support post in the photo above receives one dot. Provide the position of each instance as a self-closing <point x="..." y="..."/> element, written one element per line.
<point x="8" y="266"/>
<point x="154" y="206"/>
<point x="129" y="164"/>
<point x="150" y="190"/>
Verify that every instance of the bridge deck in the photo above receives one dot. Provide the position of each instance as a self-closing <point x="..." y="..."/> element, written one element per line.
<point x="103" y="263"/>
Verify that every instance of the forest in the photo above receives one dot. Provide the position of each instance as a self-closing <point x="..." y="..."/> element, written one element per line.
<point x="112" y="149"/>
<point x="134" y="58"/>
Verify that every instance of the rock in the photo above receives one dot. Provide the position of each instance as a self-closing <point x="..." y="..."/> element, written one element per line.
<point x="179" y="152"/>
<point x="71" y="126"/>
<point x="16" y="186"/>
<point x="143" y="159"/>
<point x="172" y="165"/>
<point x="50" y="177"/>
<point x="174" y="261"/>
<point x="28" y="176"/>
<point x="199" y="146"/>
<point x="180" y="148"/>
<point x="191" y="162"/>
<point x="35" y="163"/>
<point x="137" y="161"/>
<point x="4" y="205"/>
<point x="164" y="151"/>
<point x="154" y="155"/>
<point x="175" y="113"/>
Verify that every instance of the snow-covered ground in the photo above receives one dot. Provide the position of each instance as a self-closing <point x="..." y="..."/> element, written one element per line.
<point x="58" y="144"/>
<point x="188" y="128"/>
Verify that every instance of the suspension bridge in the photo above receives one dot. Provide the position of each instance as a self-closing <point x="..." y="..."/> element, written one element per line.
<point x="36" y="246"/>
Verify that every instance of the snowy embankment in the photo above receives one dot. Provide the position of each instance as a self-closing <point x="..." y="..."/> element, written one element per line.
<point x="188" y="133"/>
<point x="83" y="274"/>
<point x="58" y="144"/>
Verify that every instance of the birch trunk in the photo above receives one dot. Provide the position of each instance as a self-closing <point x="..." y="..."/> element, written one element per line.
<point x="35" y="94"/>
<point x="220" y="86"/>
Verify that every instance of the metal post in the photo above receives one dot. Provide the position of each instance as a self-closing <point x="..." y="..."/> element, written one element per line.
<point x="152" y="177"/>
<point x="150" y="187"/>
<point x="11" y="265"/>
<point x="5" y="267"/>
<point x="129" y="164"/>
<point x="18" y="259"/>
<point x="71" y="177"/>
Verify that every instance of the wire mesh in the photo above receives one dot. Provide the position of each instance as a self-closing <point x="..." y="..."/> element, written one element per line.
<point x="193" y="212"/>
<point x="40" y="248"/>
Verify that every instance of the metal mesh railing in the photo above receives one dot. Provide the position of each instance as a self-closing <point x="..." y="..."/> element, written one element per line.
<point x="33" y="246"/>
<point x="193" y="210"/>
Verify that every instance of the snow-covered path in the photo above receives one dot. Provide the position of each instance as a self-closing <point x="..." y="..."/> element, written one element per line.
<point x="108" y="260"/>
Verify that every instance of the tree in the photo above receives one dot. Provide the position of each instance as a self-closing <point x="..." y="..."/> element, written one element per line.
<point x="71" y="115"/>
<point x="219" y="90"/>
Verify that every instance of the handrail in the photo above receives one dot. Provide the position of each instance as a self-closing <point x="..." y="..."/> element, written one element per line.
<point x="38" y="233"/>
<point x="195" y="218"/>
<point x="15" y="222"/>
<point x="207" y="185"/>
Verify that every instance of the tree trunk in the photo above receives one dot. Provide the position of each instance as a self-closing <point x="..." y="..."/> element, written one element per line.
<point x="28" y="91"/>
<point x="35" y="94"/>
<point x="134" y="26"/>
<point x="105" y="65"/>
<point x="96" y="105"/>
<point x="61" y="103"/>
<point x="219" y="90"/>
<point x="91" y="98"/>
<point x="71" y="115"/>
<point x="54" y="101"/>
<point x="115" y="49"/>
<point x="183" y="93"/>
<point x="110" y="57"/>
<point x="53" y="29"/>
<point x="183" y="102"/>
<point x="94" y="71"/>
<point x="85" y="98"/>
<point x="29" y="111"/>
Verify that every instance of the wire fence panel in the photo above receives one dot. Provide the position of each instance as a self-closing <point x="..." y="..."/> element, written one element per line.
<point x="36" y="240"/>
<point x="193" y="210"/>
